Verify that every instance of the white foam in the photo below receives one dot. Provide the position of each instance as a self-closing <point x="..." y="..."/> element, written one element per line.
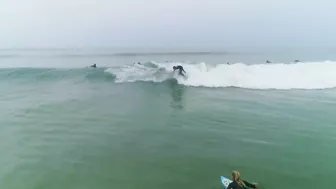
<point x="138" y="73"/>
<point x="309" y="75"/>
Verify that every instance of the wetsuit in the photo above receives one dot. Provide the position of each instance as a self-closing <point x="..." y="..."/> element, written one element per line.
<point x="235" y="185"/>
<point x="180" y="68"/>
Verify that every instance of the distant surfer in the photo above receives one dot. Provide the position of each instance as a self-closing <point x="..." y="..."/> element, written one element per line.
<point x="93" y="66"/>
<point x="296" y="61"/>
<point x="238" y="183"/>
<point x="268" y="61"/>
<point x="180" y="68"/>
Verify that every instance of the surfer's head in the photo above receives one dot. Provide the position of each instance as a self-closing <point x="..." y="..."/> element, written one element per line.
<point x="174" y="67"/>
<point x="236" y="177"/>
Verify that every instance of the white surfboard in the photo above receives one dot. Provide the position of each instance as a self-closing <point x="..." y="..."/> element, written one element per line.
<point x="225" y="181"/>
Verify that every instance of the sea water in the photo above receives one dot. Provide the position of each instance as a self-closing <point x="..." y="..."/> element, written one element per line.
<point x="126" y="125"/>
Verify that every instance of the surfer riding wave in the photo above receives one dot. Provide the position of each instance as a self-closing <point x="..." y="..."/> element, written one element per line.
<point x="180" y="68"/>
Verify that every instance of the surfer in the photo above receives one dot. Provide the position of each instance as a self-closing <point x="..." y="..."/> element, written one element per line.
<point x="180" y="68"/>
<point x="268" y="61"/>
<point x="238" y="183"/>
<point x="296" y="61"/>
<point x="93" y="66"/>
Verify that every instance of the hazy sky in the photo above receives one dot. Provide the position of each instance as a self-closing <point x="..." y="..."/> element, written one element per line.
<point x="162" y="23"/>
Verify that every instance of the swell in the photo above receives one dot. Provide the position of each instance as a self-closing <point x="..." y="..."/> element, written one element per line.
<point x="54" y="74"/>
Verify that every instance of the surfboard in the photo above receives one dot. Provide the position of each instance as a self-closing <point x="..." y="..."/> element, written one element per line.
<point x="176" y="75"/>
<point x="225" y="181"/>
<point x="185" y="77"/>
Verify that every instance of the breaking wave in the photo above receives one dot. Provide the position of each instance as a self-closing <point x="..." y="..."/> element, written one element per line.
<point x="308" y="75"/>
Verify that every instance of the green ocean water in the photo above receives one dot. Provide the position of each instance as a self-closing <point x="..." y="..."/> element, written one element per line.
<point x="70" y="127"/>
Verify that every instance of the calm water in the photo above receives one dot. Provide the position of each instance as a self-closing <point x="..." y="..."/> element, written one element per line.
<point x="134" y="127"/>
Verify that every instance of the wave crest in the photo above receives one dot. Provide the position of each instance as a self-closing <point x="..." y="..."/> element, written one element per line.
<point x="309" y="75"/>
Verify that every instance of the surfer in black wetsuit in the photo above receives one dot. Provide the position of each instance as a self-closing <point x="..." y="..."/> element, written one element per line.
<point x="93" y="66"/>
<point x="238" y="183"/>
<point x="180" y="68"/>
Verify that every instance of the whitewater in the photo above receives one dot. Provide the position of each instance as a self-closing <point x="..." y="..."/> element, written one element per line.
<point x="307" y="75"/>
<point x="281" y="76"/>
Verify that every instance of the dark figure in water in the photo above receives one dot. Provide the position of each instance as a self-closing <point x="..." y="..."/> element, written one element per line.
<point x="297" y="61"/>
<point x="238" y="183"/>
<point x="93" y="66"/>
<point x="268" y="61"/>
<point x="180" y="68"/>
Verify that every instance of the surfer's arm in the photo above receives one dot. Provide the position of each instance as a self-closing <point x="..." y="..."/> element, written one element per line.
<point x="250" y="185"/>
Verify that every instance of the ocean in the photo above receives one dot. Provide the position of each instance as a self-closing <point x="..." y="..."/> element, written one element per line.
<point x="125" y="125"/>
